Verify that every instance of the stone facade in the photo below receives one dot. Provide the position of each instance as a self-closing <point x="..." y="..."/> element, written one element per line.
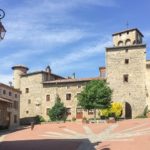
<point x="39" y="91"/>
<point x="9" y="106"/>
<point x="127" y="73"/>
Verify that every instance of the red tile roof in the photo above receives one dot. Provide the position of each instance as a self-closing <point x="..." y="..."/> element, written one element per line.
<point x="72" y="80"/>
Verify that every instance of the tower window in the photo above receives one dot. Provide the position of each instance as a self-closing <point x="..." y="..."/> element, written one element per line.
<point x="128" y="42"/>
<point x="27" y="90"/>
<point x="47" y="97"/>
<point x="120" y="43"/>
<point x="29" y="101"/>
<point x="27" y="112"/>
<point x="125" y="78"/>
<point x="126" y="61"/>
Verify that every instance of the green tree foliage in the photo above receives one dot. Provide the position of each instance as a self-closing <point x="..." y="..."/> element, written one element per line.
<point x="95" y="95"/>
<point x="39" y="119"/>
<point x="58" y="111"/>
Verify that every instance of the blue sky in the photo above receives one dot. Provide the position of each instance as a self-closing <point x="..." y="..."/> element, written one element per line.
<point x="69" y="35"/>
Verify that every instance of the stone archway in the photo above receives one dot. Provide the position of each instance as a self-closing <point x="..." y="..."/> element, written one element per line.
<point x="128" y="111"/>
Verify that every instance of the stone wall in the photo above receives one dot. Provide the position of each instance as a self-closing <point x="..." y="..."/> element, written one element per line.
<point x="37" y="96"/>
<point x="132" y="91"/>
<point x="9" y="106"/>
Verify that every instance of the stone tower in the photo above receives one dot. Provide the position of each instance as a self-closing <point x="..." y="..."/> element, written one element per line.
<point x="126" y="71"/>
<point x="18" y="70"/>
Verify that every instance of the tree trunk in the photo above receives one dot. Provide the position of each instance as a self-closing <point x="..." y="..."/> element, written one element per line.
<point x="95" y="115"/>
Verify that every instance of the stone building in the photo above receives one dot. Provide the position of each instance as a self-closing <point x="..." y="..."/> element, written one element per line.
<point x="128" y="71"/>
<point x="9" y="106"/>
<point x="39" y="91"/>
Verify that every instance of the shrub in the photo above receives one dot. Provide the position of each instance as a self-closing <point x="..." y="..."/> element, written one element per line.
<point x="144" y="115"/>
<point x="73" y="119"/>
<point x="140" y="116"/>
<point x="115" y="110"/>
<point x="39" y="119"/>
<point x="85" y="120"/>
<point x="58" y="111"/>
<point x="145" y="111"/>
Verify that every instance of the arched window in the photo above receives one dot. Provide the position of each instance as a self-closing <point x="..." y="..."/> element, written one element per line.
<point x="120" y="43"/>
<point x="128" y="42"/>
<point x="134" y="42"/>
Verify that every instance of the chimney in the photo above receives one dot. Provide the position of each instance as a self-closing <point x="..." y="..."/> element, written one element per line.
<point x="102" y="71"/>
<point x="48" y="69"/>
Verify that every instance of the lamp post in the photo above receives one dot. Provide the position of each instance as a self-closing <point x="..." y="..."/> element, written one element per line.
<point x="2" y="29"/>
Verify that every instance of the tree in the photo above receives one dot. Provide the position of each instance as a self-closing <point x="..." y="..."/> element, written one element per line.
<point x="58" y="111"/>
<point x="95" y="95"/>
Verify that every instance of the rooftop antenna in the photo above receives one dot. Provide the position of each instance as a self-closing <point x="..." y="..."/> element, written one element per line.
<point x="127" y="24"/>
<point x="10" y="83"/>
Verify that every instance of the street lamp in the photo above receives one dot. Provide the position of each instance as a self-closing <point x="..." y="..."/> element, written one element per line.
<point x="2" y="29"/>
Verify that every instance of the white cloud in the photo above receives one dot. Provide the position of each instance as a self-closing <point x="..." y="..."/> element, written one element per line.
<point x="39" y="25"/>
<point x="79" y="54"/>
<point x="5" y="78"/>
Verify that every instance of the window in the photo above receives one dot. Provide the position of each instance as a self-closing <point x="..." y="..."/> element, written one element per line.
<point x="134" y="42"/>
<point x="29" y="101"/>
<point x="120" y="43"/>
<point x="125" y="78"/>
<point x="47" y="97"/>
<point x="10" y="105"/>
<point x="68" y="96"/>
<point x="90" y="112"/>
<point x="79" y="86"/>
<point x="126" y="61"/>
<point x="27" y="112"/>
<point x="77" y="94"/>
<point x="15" y="118"/>
<point x="9" y="93"/>
<point x="15" y="104"/>
<point x="126" y="50"/>
<point x="47" y="111"/>
<point x="4" y="92"/>
<point x="27" y="90"/>
<point x="16" y="95"/>
<point x="68" y="111"/>
<point x="128" y="42"/>
<point x="68" y="86"/>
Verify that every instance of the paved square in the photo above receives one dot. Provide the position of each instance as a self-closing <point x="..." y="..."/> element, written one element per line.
<point x="128" y="134"/>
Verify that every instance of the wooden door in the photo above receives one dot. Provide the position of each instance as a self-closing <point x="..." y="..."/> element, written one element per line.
<point x="79" y="113"/>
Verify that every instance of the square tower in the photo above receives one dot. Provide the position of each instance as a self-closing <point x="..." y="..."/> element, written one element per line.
<point x="126" y="71"/>
<point x="127" y="37"/>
